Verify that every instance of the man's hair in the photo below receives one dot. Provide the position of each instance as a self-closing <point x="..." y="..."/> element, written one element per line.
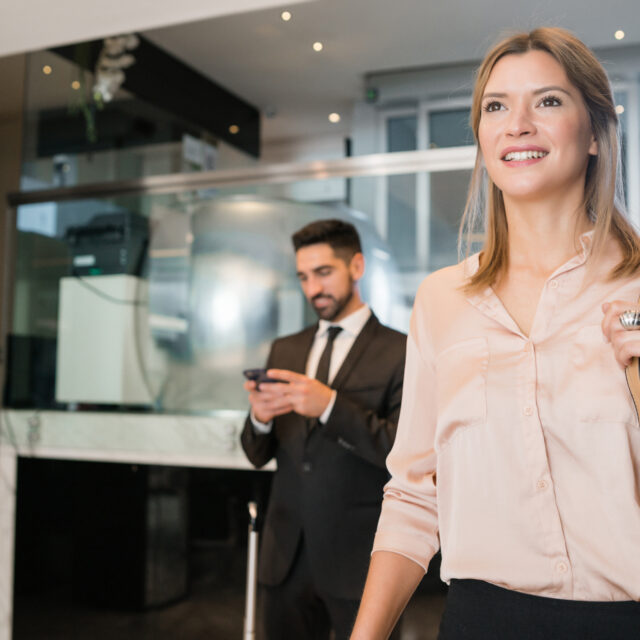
<point x="341" y="236"/>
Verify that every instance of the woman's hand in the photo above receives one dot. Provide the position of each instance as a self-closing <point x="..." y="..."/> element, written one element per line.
<point x="625" y="343"/>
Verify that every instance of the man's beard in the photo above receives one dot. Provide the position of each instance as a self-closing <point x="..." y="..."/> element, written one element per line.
<point x="332" y="311"/>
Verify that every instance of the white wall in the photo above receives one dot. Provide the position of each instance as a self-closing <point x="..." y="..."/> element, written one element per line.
<point x="304" y="150"/>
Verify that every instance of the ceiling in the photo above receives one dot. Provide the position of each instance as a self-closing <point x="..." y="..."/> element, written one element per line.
<point x="245" y="46"/>
<point x="271" y="63"/>
<point x="29" y="25"/>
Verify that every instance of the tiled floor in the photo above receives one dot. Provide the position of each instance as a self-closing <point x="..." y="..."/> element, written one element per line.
<point x="212" y="610"/>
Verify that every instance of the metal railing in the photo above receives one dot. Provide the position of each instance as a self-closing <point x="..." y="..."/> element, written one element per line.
<point x="379" y="164"/>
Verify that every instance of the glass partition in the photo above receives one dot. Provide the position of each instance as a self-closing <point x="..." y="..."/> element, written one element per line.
<point x="158" y="301"/>
<point x="72" y="137"/>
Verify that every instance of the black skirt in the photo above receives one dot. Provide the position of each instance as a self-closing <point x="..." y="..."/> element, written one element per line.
<point x="478" y="610"/>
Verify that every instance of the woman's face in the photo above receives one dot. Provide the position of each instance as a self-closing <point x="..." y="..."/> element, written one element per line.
<point x="534" y="130"/>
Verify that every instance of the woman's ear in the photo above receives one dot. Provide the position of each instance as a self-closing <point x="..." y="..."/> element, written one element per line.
<point x="593" y="147"/>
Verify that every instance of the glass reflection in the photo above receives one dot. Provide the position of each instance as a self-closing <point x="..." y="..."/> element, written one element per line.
<point x="223" y="286"/>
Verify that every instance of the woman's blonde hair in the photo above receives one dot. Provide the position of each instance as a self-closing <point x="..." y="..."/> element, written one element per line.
<point x="603" y="194"/>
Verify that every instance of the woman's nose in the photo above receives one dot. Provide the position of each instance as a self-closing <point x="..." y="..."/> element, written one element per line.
<point x="520" y="122"/>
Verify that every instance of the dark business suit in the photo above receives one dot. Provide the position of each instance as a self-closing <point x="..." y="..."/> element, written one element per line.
<point x="327" y="490"/>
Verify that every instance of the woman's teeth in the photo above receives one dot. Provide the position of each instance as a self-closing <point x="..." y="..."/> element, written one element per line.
<point x="525" y="155"/>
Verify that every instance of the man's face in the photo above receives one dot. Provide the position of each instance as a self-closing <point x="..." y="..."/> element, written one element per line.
<point x="328" y="282"/>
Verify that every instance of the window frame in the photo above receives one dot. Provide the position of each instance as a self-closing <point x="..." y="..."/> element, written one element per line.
<point x="422" y="112"/>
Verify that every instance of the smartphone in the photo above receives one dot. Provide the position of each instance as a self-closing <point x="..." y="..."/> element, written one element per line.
<point x="260" y="375"/>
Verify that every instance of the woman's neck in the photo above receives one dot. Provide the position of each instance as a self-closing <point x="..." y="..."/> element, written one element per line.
<point x="543" y="236"/>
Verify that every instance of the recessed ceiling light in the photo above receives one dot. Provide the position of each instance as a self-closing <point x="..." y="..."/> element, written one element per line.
<point x="334" y="117"/>
<point x="619" y="109"/>
<point x="75" y="85"/>
<point x="619" y="34"/>
<point x="233" y="129"/>
<point x="318" y="46"/>
<point x="286" y="16"/>
<point x="46" y="69"/>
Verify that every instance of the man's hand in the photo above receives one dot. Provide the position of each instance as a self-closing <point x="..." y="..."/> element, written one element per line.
<point x="626" y="344"/>
<point x="267" y="402"/>
<point x="307" y="396"/>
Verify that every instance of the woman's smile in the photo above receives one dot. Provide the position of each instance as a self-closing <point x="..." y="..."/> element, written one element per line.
<point x="523" y="156"/>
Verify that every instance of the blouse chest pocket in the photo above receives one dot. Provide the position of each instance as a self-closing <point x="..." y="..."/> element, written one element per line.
<point x="600" y="390"/>
<point x="461" y="372"/>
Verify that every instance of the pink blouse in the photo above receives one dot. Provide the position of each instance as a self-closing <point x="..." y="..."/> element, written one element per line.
<point x="519" y="456"/>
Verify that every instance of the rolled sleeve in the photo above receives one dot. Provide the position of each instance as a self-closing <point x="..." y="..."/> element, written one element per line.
<point x="408" y="522"/>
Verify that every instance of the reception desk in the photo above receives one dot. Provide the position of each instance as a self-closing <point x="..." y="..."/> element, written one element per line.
<point x="156" y="439"/>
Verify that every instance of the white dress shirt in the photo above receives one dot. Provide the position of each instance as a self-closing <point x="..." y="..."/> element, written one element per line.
<point x="351" y="327"/>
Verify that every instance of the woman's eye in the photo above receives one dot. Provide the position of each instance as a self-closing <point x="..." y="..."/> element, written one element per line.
<point x="550" y="101"/>
<point x="492" y="106"/>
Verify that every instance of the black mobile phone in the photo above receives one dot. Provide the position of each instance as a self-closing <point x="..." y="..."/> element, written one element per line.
<point x="260" y="375"/>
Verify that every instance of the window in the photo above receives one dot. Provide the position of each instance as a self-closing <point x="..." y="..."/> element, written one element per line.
<point x="401" y="193"/>
<point x="419" y="214"/>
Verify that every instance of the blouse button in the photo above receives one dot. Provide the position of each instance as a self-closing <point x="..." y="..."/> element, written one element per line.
<point x="553" y="284"/>
<point x="541" y="484"/>
<point x="562" y="567"/>
<point x="528" y="411"/>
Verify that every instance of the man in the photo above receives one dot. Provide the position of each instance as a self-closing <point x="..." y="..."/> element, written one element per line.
<point x="330" y="425"/>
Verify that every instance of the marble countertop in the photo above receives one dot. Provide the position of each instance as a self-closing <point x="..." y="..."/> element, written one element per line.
<point x="175" y="440"/>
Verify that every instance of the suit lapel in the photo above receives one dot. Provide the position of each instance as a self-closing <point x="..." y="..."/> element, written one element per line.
<point x="361" y="342"/>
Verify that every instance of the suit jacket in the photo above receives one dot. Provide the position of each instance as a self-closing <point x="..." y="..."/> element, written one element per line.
<point x="329" y="482"/>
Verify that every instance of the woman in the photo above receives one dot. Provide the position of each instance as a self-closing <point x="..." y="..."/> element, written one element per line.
<point x="518" y="447"/>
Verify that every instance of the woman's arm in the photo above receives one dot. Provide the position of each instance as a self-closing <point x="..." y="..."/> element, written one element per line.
<point x="391" y="581"/>
<point x="407" y="533"/>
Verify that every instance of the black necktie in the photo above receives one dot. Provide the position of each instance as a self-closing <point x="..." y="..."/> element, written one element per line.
<point x="322" y="373"/>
